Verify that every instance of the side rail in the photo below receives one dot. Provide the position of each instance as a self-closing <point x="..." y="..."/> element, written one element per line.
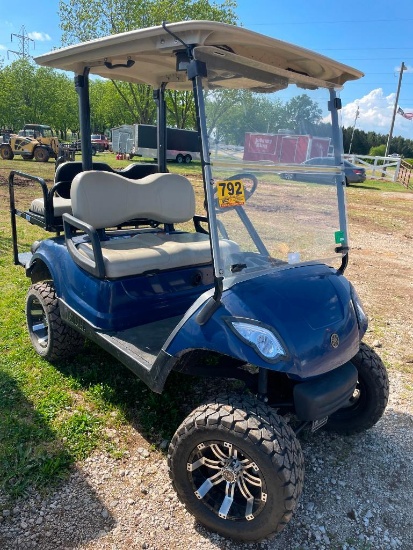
<point x="21" y="213"/>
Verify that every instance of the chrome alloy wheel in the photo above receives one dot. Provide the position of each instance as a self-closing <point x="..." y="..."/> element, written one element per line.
<point x="227" y="480"/>
<point x="37" y="321"/>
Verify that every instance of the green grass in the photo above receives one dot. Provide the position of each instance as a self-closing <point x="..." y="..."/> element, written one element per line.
<point x="379" y="185"/>
<point x="54" y="415"/>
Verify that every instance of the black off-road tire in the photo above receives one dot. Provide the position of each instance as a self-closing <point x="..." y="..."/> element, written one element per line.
<point x="6" y="152"/>
<point x="50" y="336"/>
<point x="41" y="154"/>
<point x="370" y="398"/>
<point x="230" y="433"/>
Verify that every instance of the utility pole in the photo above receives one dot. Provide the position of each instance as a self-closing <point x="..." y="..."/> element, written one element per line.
<point x="354" y="127"/>
<point x="403" y="68"/>
<point x="24" y="44"/>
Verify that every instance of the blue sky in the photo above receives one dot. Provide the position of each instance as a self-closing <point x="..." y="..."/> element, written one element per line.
<point x="375" y="36"/>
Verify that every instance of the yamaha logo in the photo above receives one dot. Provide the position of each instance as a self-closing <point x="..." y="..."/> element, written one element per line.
<point x="334" y="340"/>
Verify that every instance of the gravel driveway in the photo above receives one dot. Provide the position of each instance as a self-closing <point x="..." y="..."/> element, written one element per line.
<point x="358" y="490"/>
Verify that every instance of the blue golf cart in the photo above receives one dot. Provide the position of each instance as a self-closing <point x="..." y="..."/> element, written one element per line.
<point x="239" y="274"/>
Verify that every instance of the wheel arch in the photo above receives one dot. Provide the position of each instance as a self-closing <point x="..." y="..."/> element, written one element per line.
<point x="205" y="362"/>
<point x="39" y="271"/>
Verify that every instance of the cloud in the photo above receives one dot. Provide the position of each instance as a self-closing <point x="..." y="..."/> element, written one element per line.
<point x="3" y="48"/>
<point x="40" y="36"/>
<point x="376" y="113"/>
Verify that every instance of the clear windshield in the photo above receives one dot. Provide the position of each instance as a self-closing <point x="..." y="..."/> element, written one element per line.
<point x="275" y="177"/>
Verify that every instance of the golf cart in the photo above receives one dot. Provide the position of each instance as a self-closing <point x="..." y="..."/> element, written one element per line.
<point x="240" y="277"/>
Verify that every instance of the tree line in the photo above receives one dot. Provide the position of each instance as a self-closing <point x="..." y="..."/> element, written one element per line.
<point x="29" y="94"/>
<point x="32" y="94"/>
<point x="372" y="143"/>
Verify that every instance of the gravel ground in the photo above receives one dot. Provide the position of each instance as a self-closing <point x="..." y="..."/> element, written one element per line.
<point x="357" y="492"/>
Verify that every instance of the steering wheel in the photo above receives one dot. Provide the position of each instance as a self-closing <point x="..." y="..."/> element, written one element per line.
<point x="251" y="188"/>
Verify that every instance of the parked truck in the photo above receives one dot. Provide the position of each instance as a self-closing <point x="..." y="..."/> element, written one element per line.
<point x="285" y="147"/>
<point x="141" y="140"/>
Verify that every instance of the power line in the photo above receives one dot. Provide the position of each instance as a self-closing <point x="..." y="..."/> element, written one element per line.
<point x="24" y="44"/>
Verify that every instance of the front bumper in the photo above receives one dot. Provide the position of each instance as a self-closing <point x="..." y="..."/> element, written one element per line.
<point x="325" y="394"/>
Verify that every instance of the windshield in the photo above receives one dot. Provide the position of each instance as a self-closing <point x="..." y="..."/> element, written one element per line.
<point x="273" y="207"/>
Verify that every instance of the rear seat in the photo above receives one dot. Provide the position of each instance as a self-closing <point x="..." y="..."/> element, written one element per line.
<point x="102" y="200"/>
<point x="59" y="196"/>
<point x="60" y="206"/>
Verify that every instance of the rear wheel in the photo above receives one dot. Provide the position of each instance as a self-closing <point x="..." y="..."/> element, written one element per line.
<point x="50" y="336"/>
<point x="188" y="159"/>
<point x="369" y="399"/>
<point x="41" y="154"/>
<point x="6" y="152"/>
<point x="237" y="467"/>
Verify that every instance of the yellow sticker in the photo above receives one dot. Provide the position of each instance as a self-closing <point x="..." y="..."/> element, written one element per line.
<point x="230" y="193"/>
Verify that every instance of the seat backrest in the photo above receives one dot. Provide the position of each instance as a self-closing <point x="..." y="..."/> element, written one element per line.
<point x="68" y="170"/>
<point x="138" y="170"/>
<point x="105" y="199"/>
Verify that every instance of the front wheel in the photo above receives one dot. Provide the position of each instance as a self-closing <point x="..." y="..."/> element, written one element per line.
<point x="6" y="152"/>
<point x="41" y="154"/>
<point x="287" y="176"/>
<point x="50" y="336"/>
<point x="237" y="467"/>
<point x="179" y="159"/>
<point x="369" y="399"/>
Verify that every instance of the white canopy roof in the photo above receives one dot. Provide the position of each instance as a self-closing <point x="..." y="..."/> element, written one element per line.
<point x="152" y="50"/>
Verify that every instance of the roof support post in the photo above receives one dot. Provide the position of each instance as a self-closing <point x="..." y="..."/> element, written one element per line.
<point x="82" y="89"/>
<point x="334" y="105"/>
<point x="159" y="96"/>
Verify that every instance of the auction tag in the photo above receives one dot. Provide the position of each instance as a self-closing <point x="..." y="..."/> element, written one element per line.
<point x="316" y="424"/>
<point x="230" y="193"/>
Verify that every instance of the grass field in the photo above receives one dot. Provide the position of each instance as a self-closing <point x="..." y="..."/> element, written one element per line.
<point x="54" y="415"/>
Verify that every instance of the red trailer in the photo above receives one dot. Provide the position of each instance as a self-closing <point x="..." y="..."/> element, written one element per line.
<point x="284" y="147"/>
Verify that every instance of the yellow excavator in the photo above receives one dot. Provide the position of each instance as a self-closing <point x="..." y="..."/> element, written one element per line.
<point x="35" y="141"/>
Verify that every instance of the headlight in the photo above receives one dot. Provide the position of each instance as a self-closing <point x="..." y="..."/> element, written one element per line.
<point x="265" y="343"/>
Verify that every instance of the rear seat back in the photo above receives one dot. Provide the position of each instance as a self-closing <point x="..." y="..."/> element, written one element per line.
<point x="105" y="199"/>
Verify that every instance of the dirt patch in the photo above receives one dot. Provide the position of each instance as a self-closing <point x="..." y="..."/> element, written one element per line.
<point x="381" y="268"/>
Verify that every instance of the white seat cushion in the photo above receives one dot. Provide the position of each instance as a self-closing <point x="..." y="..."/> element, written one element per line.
<point x="60" y="206"/>
<point x="105" y="199"/>
<point x="155" y="251"/>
